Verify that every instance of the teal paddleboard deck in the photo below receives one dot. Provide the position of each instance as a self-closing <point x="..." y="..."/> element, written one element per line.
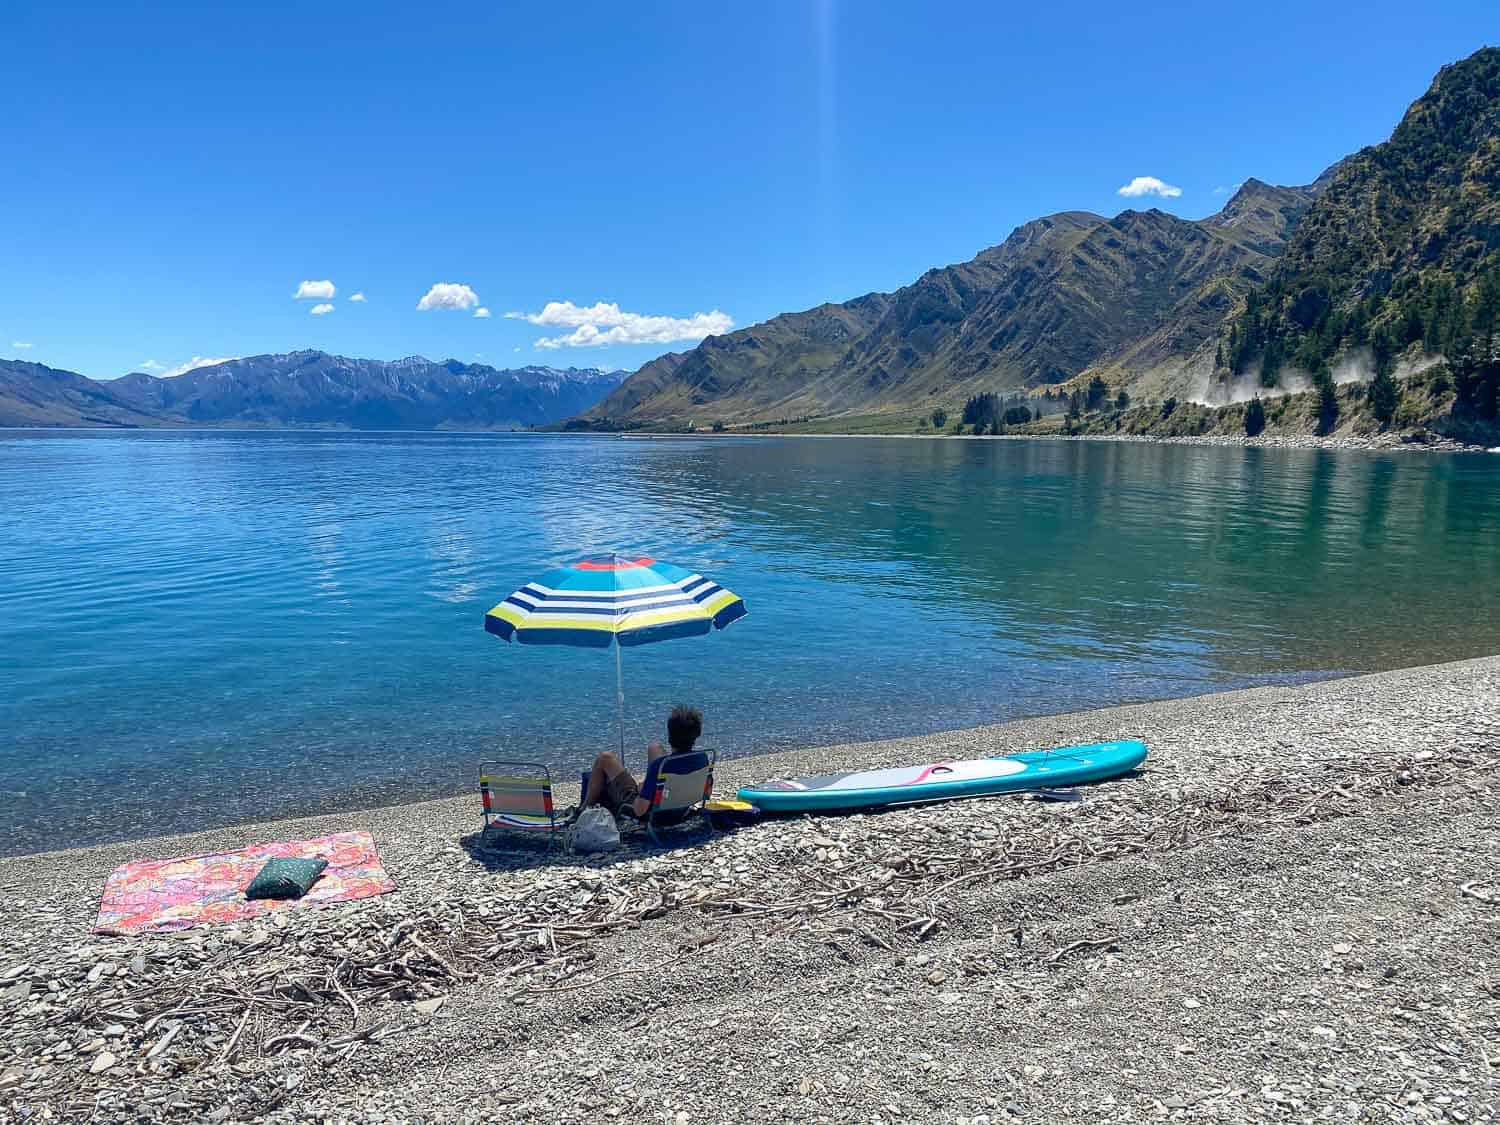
<point x="943" y="781"/>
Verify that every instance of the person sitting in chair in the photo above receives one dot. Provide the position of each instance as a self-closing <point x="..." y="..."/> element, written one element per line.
<point x="611" y="784"/>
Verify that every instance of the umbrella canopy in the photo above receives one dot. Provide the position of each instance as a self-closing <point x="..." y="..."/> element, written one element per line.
<point x="611" y="598"/>
<point x="634" y="601"/>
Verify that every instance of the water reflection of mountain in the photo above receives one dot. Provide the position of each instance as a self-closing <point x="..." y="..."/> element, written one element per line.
<point x="1252" y="559"/>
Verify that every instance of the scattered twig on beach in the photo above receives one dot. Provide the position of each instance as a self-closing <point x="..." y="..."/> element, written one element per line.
<point x="1471" y="889"/>
<point x="594" y="981"/>
<point x="229" y="999"/>
<point x="1096" y="943"/>
<point x="232" y="1047"/>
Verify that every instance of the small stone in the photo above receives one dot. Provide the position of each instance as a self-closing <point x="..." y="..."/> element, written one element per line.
<point x="1342" y="950"/>
<point x="1191" y="1003"/>
<point x="102" y="1062"/>
<point x="937" y="976"/>
<point x="429" y="1007"/>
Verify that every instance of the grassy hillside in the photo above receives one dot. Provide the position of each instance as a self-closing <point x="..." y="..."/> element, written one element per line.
<point x="1386" y="271"/>
<point x="1142" y="292"/>
<point x="32" y="394"/>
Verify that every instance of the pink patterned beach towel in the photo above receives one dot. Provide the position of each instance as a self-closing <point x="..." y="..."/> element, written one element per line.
<point x="157" y="895"/>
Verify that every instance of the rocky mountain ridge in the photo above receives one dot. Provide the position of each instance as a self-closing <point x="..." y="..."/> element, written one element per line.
<point x="1074" y="292"/>
<point x="306" y="389"/>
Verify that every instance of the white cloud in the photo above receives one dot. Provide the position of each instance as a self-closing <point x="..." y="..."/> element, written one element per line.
<point x="22" y="344"/>
<point x="360" y="297"/>
<point x="151" y="365"/>
<point x="448" y="295"/>
<point x="196" y="362"/>
<point x="482" y="313"/>
<point x="605" y="323"/>
<point x="1222" y="190"/>
<point x="321" y="310"/>
<point x="314" y="291"/>
<point x="1150" y="185"/>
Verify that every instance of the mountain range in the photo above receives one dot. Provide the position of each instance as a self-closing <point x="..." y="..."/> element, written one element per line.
<point x="1163" y="308"/>
<point x="1386" y="267"/>
<point x="1137" y="294"/>
<point x="310" y="389"/>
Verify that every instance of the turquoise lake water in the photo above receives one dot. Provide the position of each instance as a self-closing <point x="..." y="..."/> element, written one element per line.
<point x="206" y="626"/>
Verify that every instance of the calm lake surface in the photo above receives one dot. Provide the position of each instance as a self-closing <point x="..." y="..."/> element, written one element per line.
<point x="203" y="627"/>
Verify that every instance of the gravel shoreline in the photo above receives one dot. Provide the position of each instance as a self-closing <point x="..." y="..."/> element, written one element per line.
<point x="1292" y="913"/>
<point x="1389" y="442"/>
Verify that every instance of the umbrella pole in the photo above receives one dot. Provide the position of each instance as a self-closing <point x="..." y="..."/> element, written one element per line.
<point x="620" y="697"/>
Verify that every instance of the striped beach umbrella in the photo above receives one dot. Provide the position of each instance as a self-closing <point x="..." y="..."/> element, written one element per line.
<point x="614" y="599"/>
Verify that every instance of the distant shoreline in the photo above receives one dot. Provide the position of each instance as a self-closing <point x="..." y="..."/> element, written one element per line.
<point x="1375" y="443"/>
<point x="1372" y="443"/>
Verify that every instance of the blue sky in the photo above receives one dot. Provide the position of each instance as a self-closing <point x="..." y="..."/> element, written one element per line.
<point x="176" y="171"/>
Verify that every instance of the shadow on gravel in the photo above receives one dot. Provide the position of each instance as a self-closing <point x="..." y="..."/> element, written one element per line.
<point x="515" y="852"/>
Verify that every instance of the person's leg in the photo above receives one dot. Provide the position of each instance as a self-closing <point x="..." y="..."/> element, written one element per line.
<point x="606" y="766"/>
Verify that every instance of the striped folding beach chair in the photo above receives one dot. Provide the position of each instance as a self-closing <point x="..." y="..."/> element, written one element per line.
<point x="676" y="786"/>
<point x="517" y="796"/>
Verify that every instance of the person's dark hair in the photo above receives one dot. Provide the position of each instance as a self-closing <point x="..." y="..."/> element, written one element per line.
<point x="684" y="725"/>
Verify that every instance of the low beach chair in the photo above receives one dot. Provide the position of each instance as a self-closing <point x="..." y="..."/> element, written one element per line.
<point x="676" y="786"/>
<point x="517" y="796"/>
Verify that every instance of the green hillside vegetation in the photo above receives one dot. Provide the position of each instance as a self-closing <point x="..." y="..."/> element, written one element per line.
<point x="1385" y="270"/>
<point x="1400" y="255"/>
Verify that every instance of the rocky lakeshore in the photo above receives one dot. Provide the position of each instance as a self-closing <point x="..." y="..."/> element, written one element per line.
<point x="1390" y="441"/>
<point x="1291" y="913"/>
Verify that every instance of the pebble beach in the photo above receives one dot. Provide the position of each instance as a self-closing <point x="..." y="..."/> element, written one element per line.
<point x="1290" y="913"/>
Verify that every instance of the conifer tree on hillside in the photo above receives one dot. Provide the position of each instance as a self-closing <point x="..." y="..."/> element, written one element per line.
<point x="1255" y="416"/>
<point x="1384" y="395"/>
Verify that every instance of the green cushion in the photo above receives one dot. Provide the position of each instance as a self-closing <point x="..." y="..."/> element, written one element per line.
<point x="285" y="878"/>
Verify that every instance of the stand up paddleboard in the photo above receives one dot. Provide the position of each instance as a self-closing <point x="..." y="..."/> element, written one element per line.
<point x="942" y="781"/>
